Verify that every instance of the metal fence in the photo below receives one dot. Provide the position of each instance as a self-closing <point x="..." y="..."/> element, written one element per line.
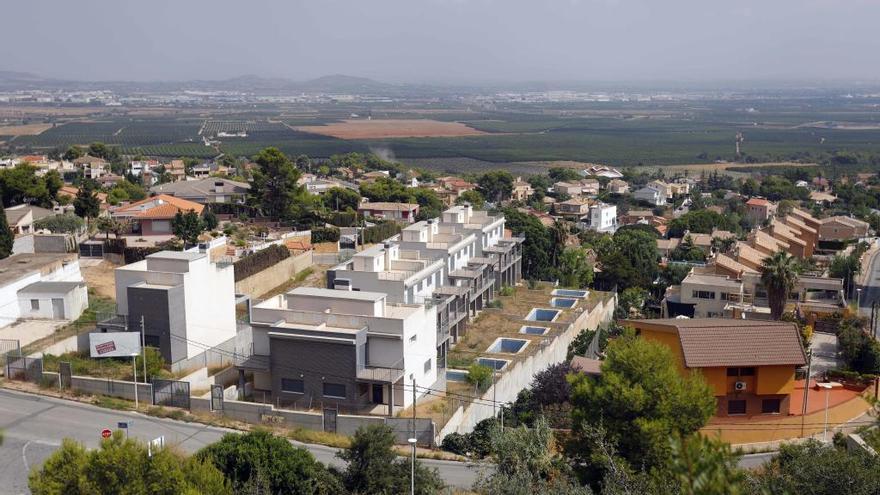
<point x="8" y="346"/>
<point x="171" y="393"/>
<point x="24" y="368"/>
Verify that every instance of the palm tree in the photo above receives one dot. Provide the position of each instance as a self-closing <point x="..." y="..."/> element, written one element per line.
<point x="779" y="275"/>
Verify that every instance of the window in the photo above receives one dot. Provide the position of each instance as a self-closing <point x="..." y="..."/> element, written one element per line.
<point x="732" y="371"/>
<point x="293" y="386"/>
<point x="704" y="294"/>
<point x="736" y="407"/>
<point x="771" y="406"/>
<point x="427" y="366"/>
<point x="727" y="297"/>
<point x="741" y="371"/>
<point x="151" y="341"/>
<point x="35" y="304"/>
<point x="336" y="390"/>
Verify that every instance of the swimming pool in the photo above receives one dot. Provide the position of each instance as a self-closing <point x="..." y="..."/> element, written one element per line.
<point x="453" y="375"/>
<point x="496" y="364"/>
<point x="507" y="346"/>
<point x="541" y="314"/>
<point x="580" y="294"/>
<point x="533" y="330"/>
<point x="563" y="302"/>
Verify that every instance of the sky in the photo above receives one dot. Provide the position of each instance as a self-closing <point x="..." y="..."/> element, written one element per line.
<point x="445" y="41"/>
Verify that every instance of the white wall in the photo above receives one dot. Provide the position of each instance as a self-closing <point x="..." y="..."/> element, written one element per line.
<point x="209" y="290"/>
<point x="422" y="324"/>
<point x="75" y="302"/>
<point x="10" y="308"/>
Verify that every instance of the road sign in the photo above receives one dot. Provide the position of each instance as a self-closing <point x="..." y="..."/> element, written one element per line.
<point x="123" y="425"/>
<point x="106" y="433"/>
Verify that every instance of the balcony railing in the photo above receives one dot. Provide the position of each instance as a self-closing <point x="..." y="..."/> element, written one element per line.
<point x="389" y="374"/>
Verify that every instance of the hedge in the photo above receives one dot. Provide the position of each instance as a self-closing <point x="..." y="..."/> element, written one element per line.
<point x="325" y="234"/>
<point x="343" y="218"/>
<point x="259" y="261"/>
<point x="135" y="254"/>
<point x="115" y="246"/>
<point x="380" y="232"/>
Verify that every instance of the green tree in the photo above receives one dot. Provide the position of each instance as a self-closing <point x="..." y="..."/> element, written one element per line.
<point x="813" y="468"/>
<point x="563" y="174"/>
<point x="72" y="153"/>
<point x="687" y="251"/>
<point x="574" y="269"/>
<point x="703" y="466"/>
<point x="630" y="260"/>
<point x="430" y="205"/>
<point x="122" y="466"/>
<point x="847" y="268"/>
<point x="524" y="463"/>
<point x="779" y="276"/>
<point x="274" y="187"/>
<point x="496" y="185"/>
<point x="6" y="237"/>
<point x="53" y="182"/>
<point x="373" y="466"/>
<point x="210" y="220"/>
<point x="21" y="184"/>
<point x="341" y="199"/>
<point x="270" y="464"/>
<point x="187" y="226"/>
<point x="60" y="224"/>
<point x="86" y="203"/>
<point x="474" y="198"/>
<point x="639" y="400"/>
<point x="538" y="248"/>
<point x="387" y="189"/>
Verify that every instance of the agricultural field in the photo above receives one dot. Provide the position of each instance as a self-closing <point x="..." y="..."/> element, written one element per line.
<point x="391" y="128"/>
<point x="23" y="130"/>
<point x="125" y="133"/>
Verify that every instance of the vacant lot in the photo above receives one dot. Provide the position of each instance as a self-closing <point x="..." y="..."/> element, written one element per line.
<point x="23" y="130"/>
<point x="391" y="128"/>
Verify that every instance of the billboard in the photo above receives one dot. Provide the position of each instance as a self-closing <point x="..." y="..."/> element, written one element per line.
<point x="114" y="344"/>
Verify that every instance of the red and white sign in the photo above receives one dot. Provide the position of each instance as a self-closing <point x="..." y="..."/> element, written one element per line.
<point x="114" y="344"/>
<point x="106" y="433"/>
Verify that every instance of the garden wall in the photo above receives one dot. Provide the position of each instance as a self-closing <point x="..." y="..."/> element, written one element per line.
<point x="262" y="282"/>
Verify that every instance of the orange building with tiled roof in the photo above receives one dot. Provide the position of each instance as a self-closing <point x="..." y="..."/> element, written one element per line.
<point x="152" y="216"/>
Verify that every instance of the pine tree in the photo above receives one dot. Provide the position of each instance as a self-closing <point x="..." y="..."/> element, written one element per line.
<point x="6" y="239"/>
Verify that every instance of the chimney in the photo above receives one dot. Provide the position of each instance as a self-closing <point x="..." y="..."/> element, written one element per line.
<point x="387" y="246"/>
<point x="430" y="223"/>
<point x="467" y="213"/>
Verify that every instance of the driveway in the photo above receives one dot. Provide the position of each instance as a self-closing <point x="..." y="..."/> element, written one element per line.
<point x="824" y="347"/>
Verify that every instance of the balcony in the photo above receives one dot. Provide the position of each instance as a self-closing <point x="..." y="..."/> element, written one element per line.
<point x="382" y="374"/>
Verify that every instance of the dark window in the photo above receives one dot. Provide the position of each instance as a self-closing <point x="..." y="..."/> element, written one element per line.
<point x="151" y="341"/>
<point x="334" y="390"/>
<point x="293" y="386"/>
<point x="732" y="371"/>
<point x="771" y="406"/>
<point x="736" y="407"/>
<point x="747" y="372"/>
<point x="35" y="304"/>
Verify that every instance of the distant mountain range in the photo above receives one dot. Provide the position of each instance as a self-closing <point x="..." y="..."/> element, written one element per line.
<point x="337" y="83"/>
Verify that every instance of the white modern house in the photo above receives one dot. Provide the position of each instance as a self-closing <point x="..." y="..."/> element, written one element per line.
<point x="339" y="348"/>
<point x="603" y="218"/>
<point x="651" y="194"/>
<point x="187" y="302"/>
<point x="41" y="286"/>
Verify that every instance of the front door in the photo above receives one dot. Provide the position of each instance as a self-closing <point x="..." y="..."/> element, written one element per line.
<point x="378" y="394"/>
<point x="58" y="309"/>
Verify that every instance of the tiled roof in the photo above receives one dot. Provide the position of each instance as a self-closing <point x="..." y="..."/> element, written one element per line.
<point x="385" y="206"/>
<point x="159" y="207"/>
<point x="731" y="264"/>
<point x="720" y="342"/>
<point x="757" y="202"/>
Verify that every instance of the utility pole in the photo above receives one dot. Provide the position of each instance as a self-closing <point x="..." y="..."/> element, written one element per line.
<point x="134" y="369"/>
<point x="413" y="440"/>
<point x="806" y="389"/>
<point x="494" y="392"/>
<point x="143" y="349"/>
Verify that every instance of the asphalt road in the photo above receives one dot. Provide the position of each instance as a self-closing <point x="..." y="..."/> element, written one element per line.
<point x="34" y="426"/>
<point x="871" y="287"/>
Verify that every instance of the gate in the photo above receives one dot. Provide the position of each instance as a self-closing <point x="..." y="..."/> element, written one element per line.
<point x="66" y="373"/>
<point x="330" y="419"/>
<point x="8" y="346"/>
<point x="216" y="397"/>
<point x="91" y="249"/>
<point x="24" y="368"/>
<point x="170" y="393"/>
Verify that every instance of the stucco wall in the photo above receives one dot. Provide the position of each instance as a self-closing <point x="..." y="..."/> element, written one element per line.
<point x="260" y="283"/>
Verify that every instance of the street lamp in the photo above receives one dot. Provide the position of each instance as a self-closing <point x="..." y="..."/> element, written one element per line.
<point x="412" y="465"/>
<point x="827" y="387"/>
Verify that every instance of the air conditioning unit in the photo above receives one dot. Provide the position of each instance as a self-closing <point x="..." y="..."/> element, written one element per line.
<point x="739" y="386"/>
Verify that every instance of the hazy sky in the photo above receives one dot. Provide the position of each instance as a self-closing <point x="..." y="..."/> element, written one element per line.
<point x="444" y="40"/>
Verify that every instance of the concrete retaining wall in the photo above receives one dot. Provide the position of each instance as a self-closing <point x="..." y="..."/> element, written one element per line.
<point x="74" y="343"/>
<point x="521" y="373"/>
<point x="104" y="386"/>
<point x="219" y="355"/>
<point x="262" y="282"/>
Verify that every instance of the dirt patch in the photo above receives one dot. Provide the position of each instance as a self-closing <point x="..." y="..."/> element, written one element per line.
<point x="391" y="128"/>
<point x="23" y="130"/>
<point x="99" y="277"/>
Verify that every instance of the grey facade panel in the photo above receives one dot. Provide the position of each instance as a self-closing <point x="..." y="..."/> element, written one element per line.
<point x="315" y="363"/>
<point x="164" y="315"/>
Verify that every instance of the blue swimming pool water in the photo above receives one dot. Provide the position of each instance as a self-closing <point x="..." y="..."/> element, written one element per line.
<point x="540" y="314"/>
<point x="510" y="346"/>
<point x="533" y="330"/>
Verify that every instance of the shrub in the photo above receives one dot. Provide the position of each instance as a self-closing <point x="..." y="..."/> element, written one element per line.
<point x="259" y="261"/>
<point x="380" y="232"/>
<point x="506" y="291"/>
<point x="115" y="246"/>
<point x="135" y="254"/>
<point x="325" y="234"/>
<point x="456" y="443"/>
<point x="479" y="375"/>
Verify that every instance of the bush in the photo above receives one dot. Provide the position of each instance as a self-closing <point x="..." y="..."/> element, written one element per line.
<point x="259" y="261"/>
<point x="456" y="443"/>
<point x="325" y="234"/>
<point x="135" y="254"/>
<point x="380" y="232"/>
<point x="115" y="246"/>
<point x="479" y="375"/>
<point x="506" y="291"/>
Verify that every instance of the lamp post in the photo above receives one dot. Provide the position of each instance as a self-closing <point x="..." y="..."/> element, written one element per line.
<point x="858" y="300"/>
<point x="827" y="387"/>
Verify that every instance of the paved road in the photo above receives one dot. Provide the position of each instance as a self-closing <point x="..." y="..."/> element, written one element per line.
<point x="34" y="427"/>
<point x="871" y="287"/>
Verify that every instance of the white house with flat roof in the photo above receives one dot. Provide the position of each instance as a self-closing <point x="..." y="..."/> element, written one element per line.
<point x="187" y="302"/>
<point x="24" y="292"/>
<point x="349" y="349"/>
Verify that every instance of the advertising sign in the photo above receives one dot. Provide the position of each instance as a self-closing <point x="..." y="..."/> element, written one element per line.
<point x="114" y="344"/>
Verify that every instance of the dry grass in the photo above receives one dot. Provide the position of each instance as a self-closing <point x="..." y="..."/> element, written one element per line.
<point x="101" y="279"/>
<point x="690" y="168"/>
<point x="23" y="130"/>
<point x="391" y="128"/>
<point x="316" y="277"/>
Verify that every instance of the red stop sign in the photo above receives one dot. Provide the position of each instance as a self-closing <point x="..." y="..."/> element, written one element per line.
<point x="106" y="433"/>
